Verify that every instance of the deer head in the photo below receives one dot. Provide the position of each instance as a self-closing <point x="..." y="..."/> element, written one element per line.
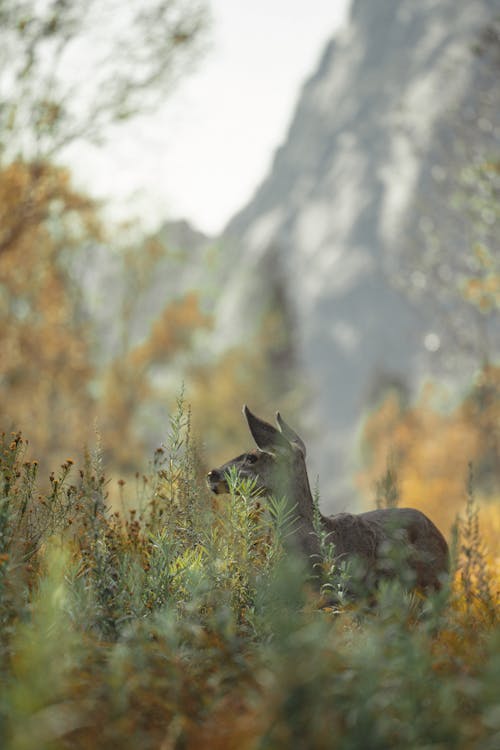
<point x="277" y="466"/>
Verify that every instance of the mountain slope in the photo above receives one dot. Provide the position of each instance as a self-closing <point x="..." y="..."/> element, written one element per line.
<point x="380" y="129"/>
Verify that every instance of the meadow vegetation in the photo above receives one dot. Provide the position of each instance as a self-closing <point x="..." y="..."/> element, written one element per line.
<point x="137" y="610"/>
<point x="175" y="620"/>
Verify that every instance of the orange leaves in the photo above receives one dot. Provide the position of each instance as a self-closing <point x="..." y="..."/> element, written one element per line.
<point x="172" y="331"/>
<point x="431" y="447"/>
<point x="44" y="368"/>
<point x="31" y="194"/>
<point x="483" y="289"/>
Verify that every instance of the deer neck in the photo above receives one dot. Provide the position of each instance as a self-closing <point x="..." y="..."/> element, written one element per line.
<point x="298" y="492"/>
<point x="304" y="538"/>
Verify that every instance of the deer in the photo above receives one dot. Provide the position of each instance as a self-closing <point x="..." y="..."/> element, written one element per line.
<point x="373" y="542"/>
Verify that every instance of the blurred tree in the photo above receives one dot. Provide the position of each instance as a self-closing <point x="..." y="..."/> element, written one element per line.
<point x="261" y="374"/>
<point x="69" y="71"/>
<point x="481" y="409"/>
<point x="129" y="386"/>
<point x="44" y="363"/>
<point x="451" y="265"/>
<point x="481" y="198"/>
<point x="458" y="271"/>
<point x="430" y="447"/>
<point x="172" y="331"/>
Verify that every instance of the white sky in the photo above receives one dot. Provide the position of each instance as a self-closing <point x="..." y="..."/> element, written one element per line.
<point x="204" y="154"/>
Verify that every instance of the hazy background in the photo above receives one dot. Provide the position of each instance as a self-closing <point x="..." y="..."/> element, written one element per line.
<point x="202" y="153"/>
<point x="287" y="205"/>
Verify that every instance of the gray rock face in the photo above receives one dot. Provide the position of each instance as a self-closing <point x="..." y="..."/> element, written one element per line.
<point x="342" y="199"/>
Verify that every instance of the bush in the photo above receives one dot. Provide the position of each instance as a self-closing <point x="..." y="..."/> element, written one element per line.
<point x="178" y="622"/>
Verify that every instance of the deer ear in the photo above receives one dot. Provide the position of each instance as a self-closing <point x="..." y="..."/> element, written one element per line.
<point x="267" y="437"/>
<point x="290" y="434"/>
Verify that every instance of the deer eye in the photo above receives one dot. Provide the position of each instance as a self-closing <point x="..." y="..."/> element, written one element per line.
<point x="251" y="458"/>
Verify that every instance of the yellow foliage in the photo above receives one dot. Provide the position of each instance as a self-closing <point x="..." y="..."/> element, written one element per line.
<point x="44" y="367"/>
<point x="172" y="331"/>
<point x="46" y="376"/>
<point x="30" y="195"/>
<point x="483" y="289"/>
<point x="489" y="519"/>
<point x="432" y="448"/>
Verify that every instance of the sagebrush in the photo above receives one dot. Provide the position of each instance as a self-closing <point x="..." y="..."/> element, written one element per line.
<point x="177" y="621"/>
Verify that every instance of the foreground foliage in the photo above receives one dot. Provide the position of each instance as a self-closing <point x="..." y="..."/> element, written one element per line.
<point x="180" y="623"/>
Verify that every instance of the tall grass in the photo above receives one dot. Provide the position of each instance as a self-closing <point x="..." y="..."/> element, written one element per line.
<point x="178" y="621"/>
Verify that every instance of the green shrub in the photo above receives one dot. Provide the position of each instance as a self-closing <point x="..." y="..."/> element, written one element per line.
<point x="179" y="622"/>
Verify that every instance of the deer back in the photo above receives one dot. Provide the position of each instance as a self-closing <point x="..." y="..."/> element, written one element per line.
<point x="389" y="541"/>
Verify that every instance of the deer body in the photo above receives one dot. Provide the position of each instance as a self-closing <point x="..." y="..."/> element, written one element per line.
<point x="375" y="541"/>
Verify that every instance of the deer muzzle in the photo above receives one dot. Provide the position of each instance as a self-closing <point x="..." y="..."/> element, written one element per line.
<point x="216" y="482"/>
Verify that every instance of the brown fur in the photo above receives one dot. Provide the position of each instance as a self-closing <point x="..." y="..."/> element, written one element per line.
<point x="380" y="542"/>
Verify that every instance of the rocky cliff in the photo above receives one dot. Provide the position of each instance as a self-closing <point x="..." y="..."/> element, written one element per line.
<point x="399" y="103"/>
